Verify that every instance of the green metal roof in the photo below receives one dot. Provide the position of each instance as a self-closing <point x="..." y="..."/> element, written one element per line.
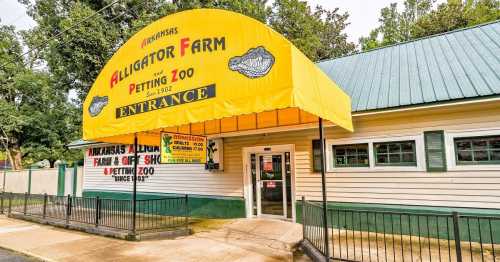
<point x="460" y="64"/>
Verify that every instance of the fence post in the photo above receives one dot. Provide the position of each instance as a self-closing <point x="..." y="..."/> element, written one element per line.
<point x="187" y="212"/>
<point x="44" y="205"/>
<point x="1" y="202"/>
<point x="29" y="181"/>
<point x="61" y="176"/>
<point x="456" y="233"/>
<point x="75" y="178"/>
<point x="10" y="202"/>
<point x="25" y="202"/>
<point x="303" y="217"/>
<point x="97" y="210"/>
<point x="4" y="176"/>
<point x="68" y="209"/>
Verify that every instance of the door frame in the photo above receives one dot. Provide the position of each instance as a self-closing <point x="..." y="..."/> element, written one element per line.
<point x="247" y="177"/>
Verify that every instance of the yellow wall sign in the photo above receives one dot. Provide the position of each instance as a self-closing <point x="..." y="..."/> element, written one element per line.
<point x="183" y="149"/>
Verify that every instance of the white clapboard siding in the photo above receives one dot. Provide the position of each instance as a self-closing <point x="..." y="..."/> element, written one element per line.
<point x="475" y="188"/>
<point x="178" y="178"/>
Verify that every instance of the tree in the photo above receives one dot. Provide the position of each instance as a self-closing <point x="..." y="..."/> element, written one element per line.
<point x="294" y="20"/>
<point x="10" y="50"/>
<point x="73" y="40"/>
<point x="419" y="19"/>
<point x="333" y="39"/>
<point x="395" y="26"/>
<point x="319" y="34"/>
<point x="413" y="11"/>
<point x="252" y="8"/>
<point x="36" y="118"/>
<point x="456" y="14"/>
<point x="74" y="58"/>
<point x="77" y="56"/>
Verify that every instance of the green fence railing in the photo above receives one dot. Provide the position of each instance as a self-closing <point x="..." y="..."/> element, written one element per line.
<point x="367" y="235"/>
<point x="152" y="214"/>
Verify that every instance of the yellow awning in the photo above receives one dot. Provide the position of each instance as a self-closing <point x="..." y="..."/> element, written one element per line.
<point x="208" y="71"/>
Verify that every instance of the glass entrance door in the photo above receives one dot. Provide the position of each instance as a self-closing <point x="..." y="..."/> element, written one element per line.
<point x="270" y="180"/>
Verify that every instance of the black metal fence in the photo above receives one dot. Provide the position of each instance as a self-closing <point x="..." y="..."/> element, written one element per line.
<point x="152" y="214"/>
<point x="359" y="235"/>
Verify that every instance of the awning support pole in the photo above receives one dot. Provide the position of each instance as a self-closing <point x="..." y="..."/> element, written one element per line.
<point x="323" y="188"/>
<point x="134" y="194"/>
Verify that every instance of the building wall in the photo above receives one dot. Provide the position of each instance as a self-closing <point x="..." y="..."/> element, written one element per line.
<point x="167" y="178"/>
<point x="212" y="194"/>
<point x="212" y="191"/>
<point x="477" y="187"/>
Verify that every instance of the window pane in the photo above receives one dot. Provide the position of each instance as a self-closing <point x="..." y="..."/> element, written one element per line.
<point x="395" y="158"/>
<point x="363" y="159"/>
<point x="363" y="150"/>
<point x="349" y="155"/>
<point x="381" y="148"/>
<point x="480" y="155"/>
<point x="479" y="144"/>
<point x="351" y="151"/>
<point x="463" y="145"/>
<point x="316" y="147"/>
<point x="407" y="147"/>
<point x="464" y="156"/>
<point x="495" y="155"/>
<point x="394" y="148"/>
<point x="352" y="160"/>
<point x="382" y="159"/>
<point x="340" y="161"/>
<point x="495" y="143"/>
<point x="408" y="157"/>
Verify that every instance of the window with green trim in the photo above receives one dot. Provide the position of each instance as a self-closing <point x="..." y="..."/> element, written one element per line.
<point x="397" y="153"/>
<point x="477" y="150"/>
<point x="350" y="155"/>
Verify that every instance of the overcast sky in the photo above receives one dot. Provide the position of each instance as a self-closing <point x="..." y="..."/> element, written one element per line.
<point x="364" y="14"/>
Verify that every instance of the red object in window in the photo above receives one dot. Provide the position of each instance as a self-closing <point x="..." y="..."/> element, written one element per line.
<point x="268" y="166"/>
<point x="271" y="184"/>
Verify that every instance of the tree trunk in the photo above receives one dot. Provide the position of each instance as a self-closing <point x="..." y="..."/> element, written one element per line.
<point x="8" y="153"/>
<point x="16" y="159"/>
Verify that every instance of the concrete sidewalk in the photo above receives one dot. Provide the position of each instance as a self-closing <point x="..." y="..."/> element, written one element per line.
<point x="236" y="240"/>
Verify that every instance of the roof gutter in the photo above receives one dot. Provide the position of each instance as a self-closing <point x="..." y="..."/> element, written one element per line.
<point x="419" y="107"/>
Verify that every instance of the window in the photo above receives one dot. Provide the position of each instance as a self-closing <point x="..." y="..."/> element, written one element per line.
<point x="350" y="155"/>
<point x="316" y="151"/>
<point x="477" y="150"/>
<point x="400" y="153"/>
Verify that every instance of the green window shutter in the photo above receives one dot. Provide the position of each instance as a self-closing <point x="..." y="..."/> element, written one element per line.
<point x="435" y="151"/>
